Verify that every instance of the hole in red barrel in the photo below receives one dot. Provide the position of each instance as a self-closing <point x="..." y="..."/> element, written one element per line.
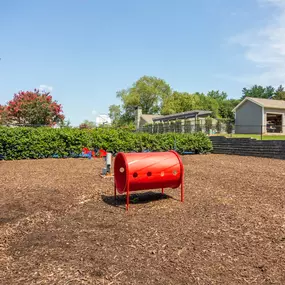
<point x="149" y="173"/>
<point x="120" y="172"/>
<point x="135" y="175"/>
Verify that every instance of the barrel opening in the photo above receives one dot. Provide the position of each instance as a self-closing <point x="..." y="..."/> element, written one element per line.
<point x="135" y="175"/>
<point x="120" y="169"/>
<point x="149" y="174"/>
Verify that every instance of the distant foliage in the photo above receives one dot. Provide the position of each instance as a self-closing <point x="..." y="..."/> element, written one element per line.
<point x="148" y="92"/>
<point x="87" y="125"/>
<point x="208" y="124"/>
<point x="218" y="126"/>
<point x="3" y="114"/>
<point x="155" y="96"/>
<point x="229" y="127"/>
<point x="198" y="127"/>
<point x="44" y="142"/>
<point x="268" y="92"/>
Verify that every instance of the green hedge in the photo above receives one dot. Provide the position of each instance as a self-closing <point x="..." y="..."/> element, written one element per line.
<point x="25" y="143"/>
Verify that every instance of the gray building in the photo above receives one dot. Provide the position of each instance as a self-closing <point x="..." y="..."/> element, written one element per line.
<point x="256" y="115"/>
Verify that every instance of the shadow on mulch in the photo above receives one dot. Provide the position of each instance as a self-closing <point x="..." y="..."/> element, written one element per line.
<point x="141" y="198"/>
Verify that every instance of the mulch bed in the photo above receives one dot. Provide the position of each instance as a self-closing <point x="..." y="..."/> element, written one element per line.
<point x="59" y="225"/>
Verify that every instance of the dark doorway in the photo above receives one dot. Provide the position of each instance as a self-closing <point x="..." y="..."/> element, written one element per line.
<point x="274" y="123"/>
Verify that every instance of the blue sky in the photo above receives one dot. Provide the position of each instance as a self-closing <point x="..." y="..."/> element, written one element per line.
<point x="86" y="50"/>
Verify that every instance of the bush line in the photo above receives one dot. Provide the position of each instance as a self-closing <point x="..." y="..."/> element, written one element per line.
<point x="35" y="143"/>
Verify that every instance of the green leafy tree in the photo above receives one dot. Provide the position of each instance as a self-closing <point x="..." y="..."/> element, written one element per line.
<point x="258" y="91"/>
<point x="115" y="114"/>
<point x="218" y="126"/>
<point x="279" y="93"/>
<point x="178" y="102"/>
<point x="220" y="96"/>
<point x="181" y="102"/>
<point x="226" y="108"/>
<point x="148" y="92"/>
<point x="208" y="124"/>
<point x="208" y="104"/>
<point x="155" y="96"/>
<point x="229" y="127"/>
<point x="86" y="124"/>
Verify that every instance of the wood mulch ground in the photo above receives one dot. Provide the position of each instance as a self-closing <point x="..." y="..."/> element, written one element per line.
<point x="59" y="225"/>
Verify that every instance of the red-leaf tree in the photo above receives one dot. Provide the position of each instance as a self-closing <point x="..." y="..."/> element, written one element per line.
<point x="33" y="107"/>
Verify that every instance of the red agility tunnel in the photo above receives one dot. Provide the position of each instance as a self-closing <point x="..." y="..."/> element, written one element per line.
<point x="145" y="171"/>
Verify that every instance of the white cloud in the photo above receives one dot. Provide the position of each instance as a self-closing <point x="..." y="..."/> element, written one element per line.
<point x="265" y="48"/>
<point x="45" y="88"/>
<point x="272" y="2"/>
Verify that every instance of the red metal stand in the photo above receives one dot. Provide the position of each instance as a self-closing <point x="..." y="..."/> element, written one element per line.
<point x="115" y="191"/>
<point x="128" y="197"/>
<point x="182" y="187"/>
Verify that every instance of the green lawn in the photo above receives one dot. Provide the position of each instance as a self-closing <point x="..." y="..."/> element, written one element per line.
<point x="258" y="137"/>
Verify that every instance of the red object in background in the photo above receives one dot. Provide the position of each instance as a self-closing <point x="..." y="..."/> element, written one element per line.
<point x="85" y="150"/>
<point x="145" y="171"/>
<point x="102" y="153"/>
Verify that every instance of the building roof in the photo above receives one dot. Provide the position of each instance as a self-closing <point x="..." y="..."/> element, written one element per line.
<point x="149" y="118"/>
<point x="266" y="103"/>
<point x="184" y="115"/>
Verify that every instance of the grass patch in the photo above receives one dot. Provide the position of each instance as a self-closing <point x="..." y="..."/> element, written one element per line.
<point x="258" y="137"/>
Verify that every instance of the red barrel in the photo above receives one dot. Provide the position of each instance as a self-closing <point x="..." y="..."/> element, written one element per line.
<point x="144" y="171"/>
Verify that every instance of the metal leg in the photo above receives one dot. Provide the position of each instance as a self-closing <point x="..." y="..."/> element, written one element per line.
<point x="115" y="192"/>
<point x="162" y="190"/>
<point x="182" y="188"/>
<point x="128" y="197"/>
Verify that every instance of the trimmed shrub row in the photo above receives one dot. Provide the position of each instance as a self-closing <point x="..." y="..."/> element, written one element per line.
<point x="34" y="143"/>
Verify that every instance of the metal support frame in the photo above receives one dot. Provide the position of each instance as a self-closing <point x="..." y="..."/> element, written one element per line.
<point x="182" y="187"/>
<point x="128" y="197"/>
<point x="162" y="191"/>
<point x="115" y="191"/>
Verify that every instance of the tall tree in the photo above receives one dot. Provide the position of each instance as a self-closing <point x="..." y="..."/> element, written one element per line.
<point x="33" y="107"/>
<point x="226" y="108"/>
<point x="148" y="92"/>
<point x="279" y="93"/>
<point x="182" y="102"/>
<point x="178" y="102"/>
<point x="258" y="91"/>
<point x="221" y="96"/>
<point x="115" y="113"/>
<point x="155" y="96"/>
